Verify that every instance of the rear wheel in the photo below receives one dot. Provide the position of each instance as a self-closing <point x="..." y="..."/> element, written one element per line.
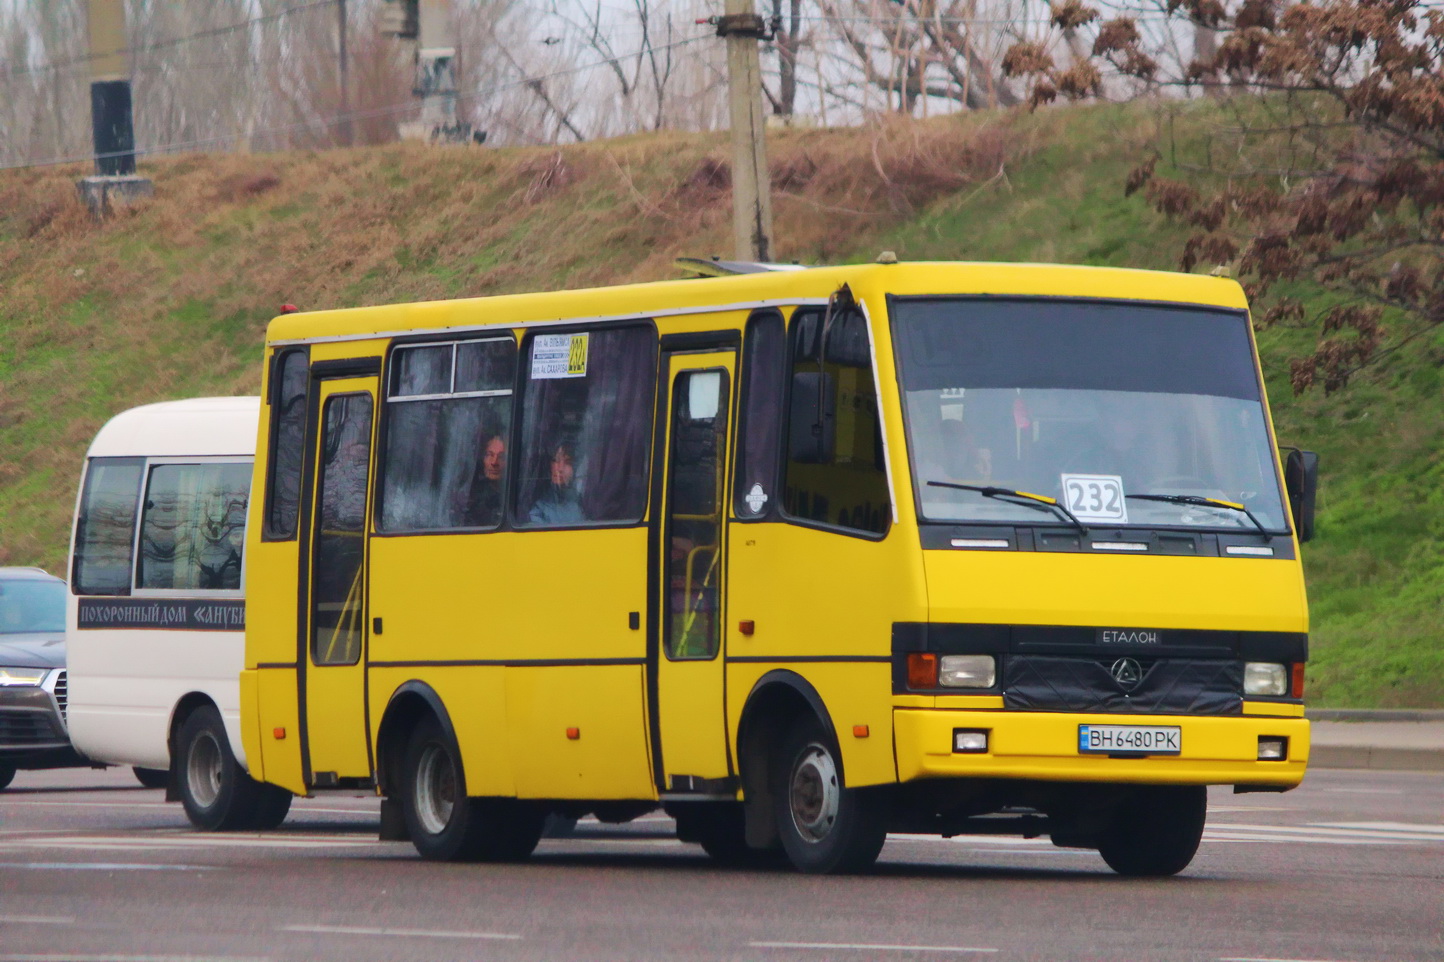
<point x="1156" y="830"/>
<point x="444" y="824"/>
<point x="7" y="775"/>
<point x="151" y="777"/>
<point x="217" y="794"/>
<point x="824" y="825"/>
<point x="273" y="803"/>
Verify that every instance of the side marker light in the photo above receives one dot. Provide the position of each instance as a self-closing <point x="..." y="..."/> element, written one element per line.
<point x="860" y="731"/>
<point x="574" y="733"/>
<point x="278" y="733"/>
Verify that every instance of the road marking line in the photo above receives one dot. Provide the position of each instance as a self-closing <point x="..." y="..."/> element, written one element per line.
<point x="1326" y="829"/>
<point x="1423" y="828"/>
<point x="133" y="958"/>
<point x="109" y="866"/>
<point x="1274" y="960"/>
<point x="1214" y="836"/>
<point x="400" y="933"/>
<point x="867" y="947"/>
<point x="39" y="919"/>
<point x="52" y="804"/>
<point x="1366" y="791"/>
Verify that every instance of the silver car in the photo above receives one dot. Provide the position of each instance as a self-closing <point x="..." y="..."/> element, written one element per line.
<point x="32" y="673"/>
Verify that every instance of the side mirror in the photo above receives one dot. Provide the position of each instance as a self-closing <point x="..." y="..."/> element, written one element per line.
<point x="1301" y="480"/>
<point x="812" y="422"/>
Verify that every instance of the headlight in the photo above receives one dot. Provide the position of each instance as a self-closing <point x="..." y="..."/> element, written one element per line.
<point x="22" y="677"/>
<point x="1265" y="678"/>
<point x="967" y="671"/>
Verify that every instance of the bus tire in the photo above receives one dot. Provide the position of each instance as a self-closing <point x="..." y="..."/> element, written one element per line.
<point x="1156" y="830"/>
<point x="151" y="777"/>
<point x="447" y="826"/>
<point x="825" y="826"/>
<point x="7" y="775"/>
<point x="217" y="794"/>
<point x="273" y="804"/>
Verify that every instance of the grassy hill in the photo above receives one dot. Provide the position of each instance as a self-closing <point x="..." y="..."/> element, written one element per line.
<point x="171" y="299"/>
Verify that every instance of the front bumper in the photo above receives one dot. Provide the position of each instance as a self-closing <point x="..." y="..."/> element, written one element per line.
<point x="1216" y="750"/>
<point x="32" y="730"/>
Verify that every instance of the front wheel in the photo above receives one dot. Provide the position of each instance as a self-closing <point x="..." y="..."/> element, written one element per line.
<point x="217" y="793"/>
<point x="443" y="823"/>
<point x="7" y="775"/>
<point x="1156" y="830"/>
<point x="824" y="825"/>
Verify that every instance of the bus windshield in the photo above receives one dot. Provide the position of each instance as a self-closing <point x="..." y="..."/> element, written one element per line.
<point x="1128" y="413"/>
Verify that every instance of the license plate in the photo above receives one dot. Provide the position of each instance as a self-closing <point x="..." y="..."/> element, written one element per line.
<point x="1130" y="739"/>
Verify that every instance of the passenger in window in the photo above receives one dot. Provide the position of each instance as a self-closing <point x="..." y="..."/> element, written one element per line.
<point x="561" y="502"/>
<point x="483" y="506"/>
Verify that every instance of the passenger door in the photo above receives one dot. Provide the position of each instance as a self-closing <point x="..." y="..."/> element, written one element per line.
<point x="334" y="618"/>
<point x="690" y="566"/>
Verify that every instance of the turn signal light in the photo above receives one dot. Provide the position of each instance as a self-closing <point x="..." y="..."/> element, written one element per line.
<point x="574" y="733"/>
<point x="1296" y="690"/>
<point x="922" y="670"/>
<point x="278" y="733"/>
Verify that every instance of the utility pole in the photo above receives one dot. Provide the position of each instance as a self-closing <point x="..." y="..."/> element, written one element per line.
<point x="111" y="125"/>
<point x="348" y="133"/>
<point x="742" y="28"/>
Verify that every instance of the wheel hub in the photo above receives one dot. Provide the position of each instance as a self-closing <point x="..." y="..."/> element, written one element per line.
<point x="435" y="790"/>
<point x="814" y="793"/>
<point x="203" y="770"/>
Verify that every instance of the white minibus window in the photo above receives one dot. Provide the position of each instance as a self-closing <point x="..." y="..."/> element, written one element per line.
<point x="193" y="526"/>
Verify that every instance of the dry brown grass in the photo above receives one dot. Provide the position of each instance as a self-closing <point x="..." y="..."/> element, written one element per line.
<point x="170" y="298"/>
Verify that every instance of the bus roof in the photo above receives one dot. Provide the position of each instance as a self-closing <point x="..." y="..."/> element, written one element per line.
<point x="207" y="426"/>
<point x="750" y="290"/>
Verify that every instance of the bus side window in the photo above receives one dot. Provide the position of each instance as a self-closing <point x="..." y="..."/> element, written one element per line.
<point x="290" y="384"/>
<point x="835" y="470"/>
<point x="586" y="427"/>
<point x="105" y="531"/>
<point x="759" y="433"/>
<point x="448" y="411"/>
<point x="192" y="527"/>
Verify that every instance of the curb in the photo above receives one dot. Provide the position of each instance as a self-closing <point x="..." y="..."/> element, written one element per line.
<point x="1378" y="759"/>
<point x="1375" y="714"/>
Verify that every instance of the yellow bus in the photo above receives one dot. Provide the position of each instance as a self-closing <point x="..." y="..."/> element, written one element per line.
<point x="800" y="556"/>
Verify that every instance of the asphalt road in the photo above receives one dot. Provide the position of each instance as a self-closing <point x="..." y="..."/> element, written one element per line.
<point x="1348" y="868"/>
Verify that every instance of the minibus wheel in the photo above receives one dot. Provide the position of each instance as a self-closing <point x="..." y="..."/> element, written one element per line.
<point x="7" y="775"/>
<point x="824" y="825"/>
<point x="1156" y="830"/>
<point x="217" y="794"/>
<point x="443" y="823"/>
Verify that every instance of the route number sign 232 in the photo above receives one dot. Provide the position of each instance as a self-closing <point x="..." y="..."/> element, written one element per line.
<point x="1095" y="497"/>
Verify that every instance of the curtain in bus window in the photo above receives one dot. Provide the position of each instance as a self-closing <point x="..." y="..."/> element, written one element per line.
<point x="586" y="427"/>
<point x="759" y="435"/>
<point x="105" y="533"/>
<point x="193" y="527"/>
<point x="288" y="412"/>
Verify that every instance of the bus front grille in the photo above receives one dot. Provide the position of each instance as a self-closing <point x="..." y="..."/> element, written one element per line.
<point x="1181" y="686"/>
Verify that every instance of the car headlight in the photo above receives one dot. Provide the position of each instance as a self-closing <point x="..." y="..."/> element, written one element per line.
<point x="1265" y="678"/>
<point x="22" y="677"/>
<point x="967" y="671"/>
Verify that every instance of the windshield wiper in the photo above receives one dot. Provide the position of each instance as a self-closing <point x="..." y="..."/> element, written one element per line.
<point x="1206" y="503"/>
<point x="1027" y="499"/>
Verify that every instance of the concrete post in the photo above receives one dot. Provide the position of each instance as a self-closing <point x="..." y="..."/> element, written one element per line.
<point x="111" y="125"/>
<point x="751" y="184"/>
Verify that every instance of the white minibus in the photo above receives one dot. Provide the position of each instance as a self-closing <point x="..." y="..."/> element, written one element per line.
<point x="156" y="611"/>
